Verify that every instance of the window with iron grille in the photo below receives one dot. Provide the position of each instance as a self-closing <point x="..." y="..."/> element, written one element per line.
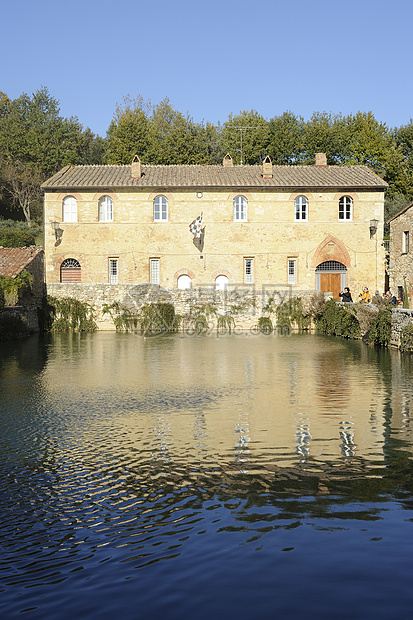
<point x="292" y="275"/>
<point x="113" y="271"/>
<point x="154" y="269"/>
<point x="248" y="270"/>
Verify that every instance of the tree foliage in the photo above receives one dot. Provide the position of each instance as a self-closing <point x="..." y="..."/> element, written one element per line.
<point x="36" y="141"/>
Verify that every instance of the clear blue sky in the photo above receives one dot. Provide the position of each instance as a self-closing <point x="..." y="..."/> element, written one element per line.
<point x="212" y="58"/>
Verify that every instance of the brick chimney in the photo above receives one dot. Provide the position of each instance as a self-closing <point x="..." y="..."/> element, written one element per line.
<point x="321" y="160"/>
<point x="136" y="168"/>
<point x="227" y="161"/>
<point x="267" y="168"/>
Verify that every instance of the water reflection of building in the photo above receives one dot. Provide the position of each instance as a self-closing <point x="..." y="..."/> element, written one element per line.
<point x="259" y="398"/>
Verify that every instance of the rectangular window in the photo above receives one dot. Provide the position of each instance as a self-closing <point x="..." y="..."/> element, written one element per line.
<point x="292" y="271"/>
<point x="154" y="267"/>
<point x="248" y="271"/>
<point x="406" y="242"/>
<point x="113" y="271"/>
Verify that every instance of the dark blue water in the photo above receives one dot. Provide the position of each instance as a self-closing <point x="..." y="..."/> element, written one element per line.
<point x="230" y="477"/>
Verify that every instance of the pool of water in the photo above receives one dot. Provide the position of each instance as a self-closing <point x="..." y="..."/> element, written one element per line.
<point x="178" y="477"/>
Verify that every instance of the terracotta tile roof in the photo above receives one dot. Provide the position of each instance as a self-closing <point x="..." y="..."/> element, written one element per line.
<point x="14" y="260"/>
<point x="211" y="176"/>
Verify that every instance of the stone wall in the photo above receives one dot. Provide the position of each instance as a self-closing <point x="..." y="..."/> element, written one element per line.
<point x="244" y="304"/>
<point x="401" y="254"/>
<point x="400" y="318"/>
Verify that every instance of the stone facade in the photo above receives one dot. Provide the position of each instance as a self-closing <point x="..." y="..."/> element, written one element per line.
<point x="401" y="254"/>
<point x="263" y="245"/>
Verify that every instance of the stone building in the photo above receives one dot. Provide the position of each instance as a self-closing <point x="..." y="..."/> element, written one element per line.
<point x="301" y="228"/>
<point x="401" y="254"/>
<point x="29" y="300"/>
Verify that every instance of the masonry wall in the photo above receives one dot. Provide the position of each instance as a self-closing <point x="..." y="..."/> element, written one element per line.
<point x="270" y="237"/>
<point x="401" y="261"/>
<point x="245" y="304"/>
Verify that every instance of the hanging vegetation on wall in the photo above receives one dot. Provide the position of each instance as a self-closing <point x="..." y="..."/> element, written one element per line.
<point x="12" y="287"/>
<point x="69" y="314"/>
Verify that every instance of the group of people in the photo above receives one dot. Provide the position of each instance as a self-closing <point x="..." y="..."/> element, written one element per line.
<point x="365" y="296"/>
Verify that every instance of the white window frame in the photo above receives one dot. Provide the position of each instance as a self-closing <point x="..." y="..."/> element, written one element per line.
<point x="113" y="271"/>
<point x="154" y="270"/>
<point x="406" y="242"/>
<point x="292" y="271"/>
<point x="248" y="270"/>
<point x="69" y="209"/>
<point x="240" y="204"/>
<point x="301" y="209"/>
<point x="160" y="209"/>
<point x="105" y="209"/>
<point x="345" y="209"/>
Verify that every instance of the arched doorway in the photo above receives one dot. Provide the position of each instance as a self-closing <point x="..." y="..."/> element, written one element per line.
<point x="331" y="277"/>
<point x="221" y="283"/>
<point x="184" y="282"/>
<point x="70" y="271"/>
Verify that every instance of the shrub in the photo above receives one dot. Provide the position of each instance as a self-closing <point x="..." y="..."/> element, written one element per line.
<point x="17" y="238"/>
<point x="12" y="287"/>
<point x="292" y="311"/>
<point x="406" y="339"/>
<point x="338" y="321"/>
<point x="380" y="330"/>
<point x="265" y="325"/>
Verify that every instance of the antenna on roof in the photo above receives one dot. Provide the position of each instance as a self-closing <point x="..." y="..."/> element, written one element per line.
<point x="241" y="129"/>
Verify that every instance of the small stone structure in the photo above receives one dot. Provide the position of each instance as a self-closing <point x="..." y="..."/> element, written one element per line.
<point x="400" y="318"/>
<point x="14" y="261"/>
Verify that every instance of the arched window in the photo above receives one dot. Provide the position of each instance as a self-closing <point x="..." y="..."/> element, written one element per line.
<point x="70" y="209"/>
<point x="184" y="282"/>
<point x="240" y="209"/>
<point x="345" y="208"/>
<point x="160" y="209"/>
<point x="301" y="208"/>
<point x="105" y="209"/>
<point x="70" y="271"/>
<point x="221" y="283"/>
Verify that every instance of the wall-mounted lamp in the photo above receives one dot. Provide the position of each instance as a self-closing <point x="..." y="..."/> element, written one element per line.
<point x="373" y="227"/>
<point x="57" y="230"/>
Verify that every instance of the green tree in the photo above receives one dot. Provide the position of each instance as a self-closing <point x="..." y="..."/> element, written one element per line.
<point x="324" y="133"/>
<point x="286" y="139"/>
<point x="33" y="132"/>
<point x="367" y="141"/>
<point x="177" y="139"/>
<point x="128" y="133"/>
